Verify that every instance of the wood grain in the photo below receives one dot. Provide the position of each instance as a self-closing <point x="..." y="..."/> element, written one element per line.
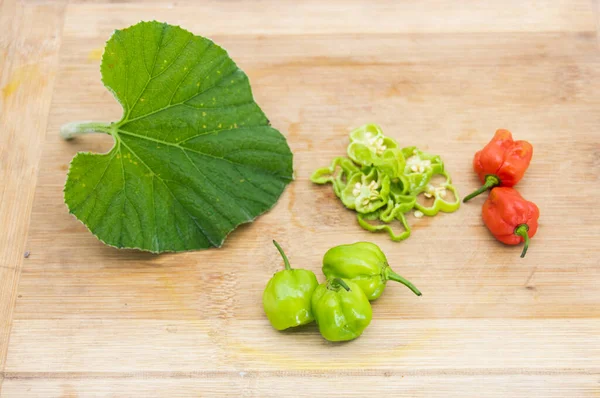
<point x="89" y="320"/>
<point x="28" y="62"/>
<point x="280" y="384"/>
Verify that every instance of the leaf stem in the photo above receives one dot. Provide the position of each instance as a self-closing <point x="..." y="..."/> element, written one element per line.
<point x="69" y="130"/>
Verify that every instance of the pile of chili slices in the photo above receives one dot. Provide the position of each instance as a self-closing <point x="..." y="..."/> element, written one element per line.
<point x="381" y="181"/>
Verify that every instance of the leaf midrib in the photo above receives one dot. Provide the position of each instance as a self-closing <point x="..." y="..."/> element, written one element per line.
<point x="116" y="132"/>
<point x="184" y="148"/>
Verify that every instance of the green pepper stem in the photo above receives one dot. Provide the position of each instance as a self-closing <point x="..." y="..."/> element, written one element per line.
<point x="522" y="230"/>
<point x="391" y="275"/>
<point x="491" y="181"/>
<point x="285" y="259"/>
<point x="340" y="281"/>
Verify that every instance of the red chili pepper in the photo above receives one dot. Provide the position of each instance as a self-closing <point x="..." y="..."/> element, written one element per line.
<point x="509" y="217"/>
<point x="502" y="162"/>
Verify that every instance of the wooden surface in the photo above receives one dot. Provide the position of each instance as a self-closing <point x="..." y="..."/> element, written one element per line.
<point x="79" y="319"/>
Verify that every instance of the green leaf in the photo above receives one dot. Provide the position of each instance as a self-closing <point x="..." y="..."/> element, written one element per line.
<point x="194" y="155"/>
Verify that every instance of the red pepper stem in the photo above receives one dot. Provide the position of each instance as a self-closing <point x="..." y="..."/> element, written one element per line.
<point x="285" y="259"/>
<point x="392" y="276"/>
<point x="522" y="230"/>
<point x="491" y="181"/>
<point x="340" y="281"/>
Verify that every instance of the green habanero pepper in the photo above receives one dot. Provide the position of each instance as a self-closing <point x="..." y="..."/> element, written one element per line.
<point x="287" y="297"/>
<point x="341" y="310"/>
<point x="364" y="264"/>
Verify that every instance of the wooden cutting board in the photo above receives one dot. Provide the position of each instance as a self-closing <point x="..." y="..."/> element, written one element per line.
<point x="81" y="319"/>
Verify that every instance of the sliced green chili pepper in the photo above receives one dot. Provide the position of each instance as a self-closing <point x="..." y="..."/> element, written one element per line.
<point x="440" y="193"/>
<point x="420" y="167"/>
<point x="363" y="222"/>
<point x="364" y="264"/>
<point x="381" y="182"/>
<point x="341" y="310"/>
<point x="394" y="209"/>
<point x="344" y="168"/>
<point x="391" y="162"/>
<point x="366" y="192"/>
<point x="367" y="143"/>
<point x="399" y="185"/>
<point x="369" y="147"/>
<point x="287" y="297"/>
<point x="403" y="203"/>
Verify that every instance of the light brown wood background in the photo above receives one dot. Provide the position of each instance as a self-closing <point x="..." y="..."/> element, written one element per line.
<point x="78" y="319"/>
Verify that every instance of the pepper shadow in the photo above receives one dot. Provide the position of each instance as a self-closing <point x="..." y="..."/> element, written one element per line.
<point x="309" y="328"/>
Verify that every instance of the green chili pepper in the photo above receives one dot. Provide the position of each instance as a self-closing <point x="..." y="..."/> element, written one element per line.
<point x="364" y="264"/>
<point x="394" y="210"/>
<point x="400" y="198"/>
<point x="341" y="310"/>
<point x="439" y="194"/>
<point x="391" y="162"/>
<point x="338" y="173"/>
<point x="363" y="221"/>
<point x="381" y="182"/>
<point x="369" y="147"/>
<point x="420" y="167"/>
<point x="397" y="205"/>
<point x="367" y="143"/>
<point x="287" y="297"/>
<point x="366" y="192"/>
<point x="399" y="185"/>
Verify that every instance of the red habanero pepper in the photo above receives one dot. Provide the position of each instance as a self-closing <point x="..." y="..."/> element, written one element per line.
<point x="502" y="162"/>
<point x="509" y="217"/>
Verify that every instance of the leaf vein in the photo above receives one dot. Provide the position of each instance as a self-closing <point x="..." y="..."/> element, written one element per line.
<point x="162" y="35"/>
<point x="127" y="120"/>
<point x="200" y="228"/>
<point x="218" y="189"/>
<point x="190" y="69"/>
<point x="137" y="100"/>
<point x="175" y="58"/>
<point x="202" y="153"/>
<point x="139" y="217"/>
<point x="97" y="183"/>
